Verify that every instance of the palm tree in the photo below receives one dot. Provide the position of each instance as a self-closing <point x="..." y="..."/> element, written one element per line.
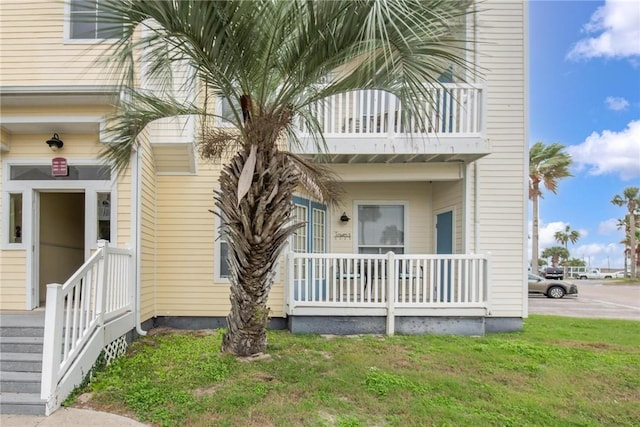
<point x="272" y="62"/>
<point x="556" y="253"/>
<point x="631" y="198"/>
<point x="547" y="164"/>
<point x="623" y="223"/>
<point x="566" y="236"/>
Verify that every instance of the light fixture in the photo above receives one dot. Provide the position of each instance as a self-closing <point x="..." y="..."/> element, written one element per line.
<point x="344" y="218"/>
<point x="55" y="143"/>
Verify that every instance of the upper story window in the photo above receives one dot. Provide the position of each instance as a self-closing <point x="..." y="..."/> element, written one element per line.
<point x="89" y="21"/>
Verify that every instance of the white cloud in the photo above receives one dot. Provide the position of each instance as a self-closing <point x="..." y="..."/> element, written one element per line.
<point x="610" y="152"/>
<point x="616" y="31"/>
<point x="602" y="255"/>
<point x="610" y="227"/>
<point x="616" y="103"/>
<point x="546" y="234"/>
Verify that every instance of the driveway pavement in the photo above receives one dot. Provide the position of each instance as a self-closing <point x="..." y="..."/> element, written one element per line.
<point x="596" y="298"/>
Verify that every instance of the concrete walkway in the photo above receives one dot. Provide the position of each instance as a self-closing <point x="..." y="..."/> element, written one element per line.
<point x="69" y="417"/>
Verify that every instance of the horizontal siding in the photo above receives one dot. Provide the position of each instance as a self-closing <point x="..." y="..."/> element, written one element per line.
<point x="33" y="46"/>
<point x="502" y="175"/>
<point x="13" y="279"/>
<point x="185" y="242"/>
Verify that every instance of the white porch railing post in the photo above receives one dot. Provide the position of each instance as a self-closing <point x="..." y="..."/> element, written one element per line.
<point x="52" y="344"/>
<point x="290" y="283"/>
<point x="392" y="280"/>
<point x="103" y="280"/>
<point x="487" y="279"/>
<point x="131" y="288"/>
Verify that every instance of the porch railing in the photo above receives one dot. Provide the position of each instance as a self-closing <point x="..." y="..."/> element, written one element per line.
<point x="454" y="109"/>
<point x="389" y="285"/>
<point x="90" y="312"/>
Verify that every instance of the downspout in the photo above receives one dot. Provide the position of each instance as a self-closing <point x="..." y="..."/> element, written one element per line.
<point x="137" y="233"/>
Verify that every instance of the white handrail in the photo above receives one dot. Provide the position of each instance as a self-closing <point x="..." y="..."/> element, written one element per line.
<point x="450" y="109"/>
<point x="388" y="281"/>
<point x="99" y="292"/>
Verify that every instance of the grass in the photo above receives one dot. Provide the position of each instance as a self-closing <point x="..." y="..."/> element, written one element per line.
<point x="557" y="372"/>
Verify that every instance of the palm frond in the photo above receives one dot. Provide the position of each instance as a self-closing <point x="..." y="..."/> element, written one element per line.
<point x="136" y="112"/>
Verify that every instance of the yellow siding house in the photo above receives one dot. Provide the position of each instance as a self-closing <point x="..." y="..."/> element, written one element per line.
<point x="431" y="230"/>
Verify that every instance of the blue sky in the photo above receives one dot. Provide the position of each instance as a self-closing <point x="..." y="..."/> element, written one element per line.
<point x="585" y="93"/>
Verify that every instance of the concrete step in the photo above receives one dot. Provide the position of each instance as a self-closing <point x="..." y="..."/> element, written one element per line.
<point x="21" y="331"/>
<point x="21" y="344"/>
<point x="21" y="362"/>
<point x="21" y="403"/>
<point x="20" y="382"/>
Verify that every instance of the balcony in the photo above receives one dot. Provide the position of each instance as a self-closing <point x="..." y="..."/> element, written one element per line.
<point x="370" y="126"/>
<point x="393" y="288"/>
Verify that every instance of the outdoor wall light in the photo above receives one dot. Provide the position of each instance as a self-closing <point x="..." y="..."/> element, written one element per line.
<point x="55" y="143"/>
<point x="344" y="218"/>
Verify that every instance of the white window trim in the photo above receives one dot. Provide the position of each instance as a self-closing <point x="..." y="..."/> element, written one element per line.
<point x="28" y="187"/>
<point x="66" y="28"/>
<point x="217" y="253"/>
<point x="403" y="203"/>
<point x="6" y="223"/>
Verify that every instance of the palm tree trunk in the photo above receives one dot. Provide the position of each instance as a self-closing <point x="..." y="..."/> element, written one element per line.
<point x="632" y="239"/>
<point x="256" y="229"/>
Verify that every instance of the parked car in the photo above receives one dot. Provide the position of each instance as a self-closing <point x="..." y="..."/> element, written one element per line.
<point x="553" y="273"/>
<point x="551" y="288"/>
<point x="621" y="274"/>
<point x="595" y="273"/>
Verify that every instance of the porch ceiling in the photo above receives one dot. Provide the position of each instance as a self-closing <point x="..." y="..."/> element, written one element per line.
<point x="410" y="149"/>
<point x="61" y="109"/>
<point x="365" y="158"/>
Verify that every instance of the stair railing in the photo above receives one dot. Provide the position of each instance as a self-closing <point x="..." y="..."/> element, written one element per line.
<point x="91" y="310"/>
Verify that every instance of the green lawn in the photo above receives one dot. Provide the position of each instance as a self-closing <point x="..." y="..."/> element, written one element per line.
<point x="558" y="372"/>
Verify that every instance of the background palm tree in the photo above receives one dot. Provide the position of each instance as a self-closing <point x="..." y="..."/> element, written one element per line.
<point x="547" y="164"/>
<point x="272" y="62"/>
<point x="556" y="253"/>
<point x="566" y="236"/>
<point x="631" y="198"/>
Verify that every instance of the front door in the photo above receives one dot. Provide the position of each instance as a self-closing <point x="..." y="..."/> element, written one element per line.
<point x="444" y="233"/>
<point x="61" y="240"/>
<point x="444" y="245"/>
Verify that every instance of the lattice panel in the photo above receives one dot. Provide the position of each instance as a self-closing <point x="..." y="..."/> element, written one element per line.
<point x="116" y="349"/>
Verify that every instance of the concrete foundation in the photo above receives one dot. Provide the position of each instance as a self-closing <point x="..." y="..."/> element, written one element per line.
<point x="352" y="325"/>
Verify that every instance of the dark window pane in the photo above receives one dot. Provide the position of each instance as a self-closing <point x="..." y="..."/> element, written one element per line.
<point x="43" y="173"/>
<point x="224" y="255"/>
<point x="82" y="29"/>
<point x="109" y="30"/>
<point x="83" y="5"/>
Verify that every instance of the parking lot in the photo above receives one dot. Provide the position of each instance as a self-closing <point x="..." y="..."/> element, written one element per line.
<point x="595" y="299"/>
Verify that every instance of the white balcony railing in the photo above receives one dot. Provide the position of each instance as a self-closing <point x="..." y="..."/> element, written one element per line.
<point x="388" y="285"/>
<point x="451" y="109"/>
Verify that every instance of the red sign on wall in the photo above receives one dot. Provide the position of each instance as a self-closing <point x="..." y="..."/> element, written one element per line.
<point x="59" y="167"/>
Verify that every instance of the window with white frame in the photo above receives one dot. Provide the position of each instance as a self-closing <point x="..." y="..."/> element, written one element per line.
<point x="313" y="236"/>
<point x="15" y="218"/>
<point x="88" y="20"/>
<point x="222" y="255"/>
<point x="300" y="243"/>
<point x="381" y="229"/>
<point x="318" y="218"/>
<point x="104" y="216"/>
